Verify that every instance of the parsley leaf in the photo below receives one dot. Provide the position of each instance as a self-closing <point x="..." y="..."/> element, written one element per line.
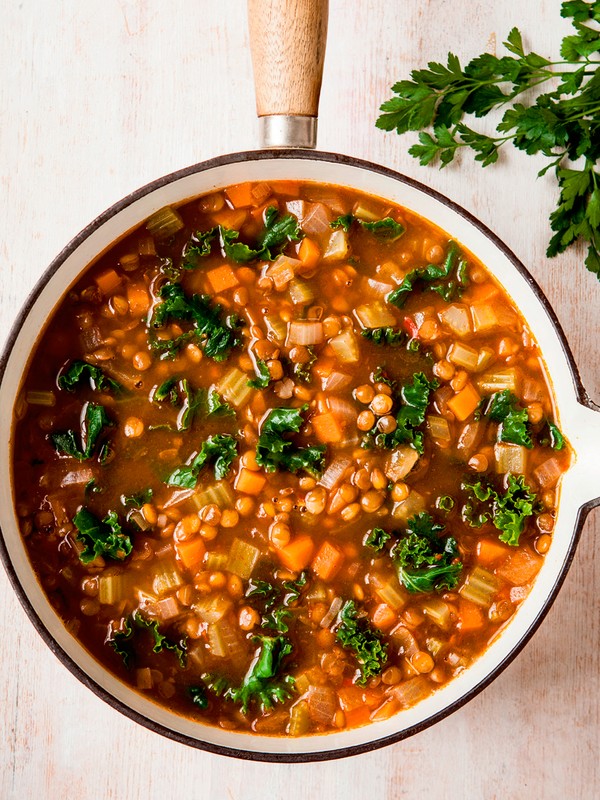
<point x="508" y="512"/>
<point x="273" y="451"/>
<point x="426" y="562"/>
<point x="504" y="408"/>
<point x="220" y="449"/>
<point x="216" y="335"/>
<point x="101" y="538"/>
<point x="562" y="125"/>
<point x="448" y="279"/>
<point x="95" y="421"/>
<point x="354" y="633"/>
<point x="79" y="371"/>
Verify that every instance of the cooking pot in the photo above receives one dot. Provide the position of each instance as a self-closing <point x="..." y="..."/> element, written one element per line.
<point x="288" y="52"/>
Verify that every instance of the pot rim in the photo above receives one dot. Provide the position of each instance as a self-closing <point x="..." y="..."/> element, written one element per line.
<point x="581" y="514"/>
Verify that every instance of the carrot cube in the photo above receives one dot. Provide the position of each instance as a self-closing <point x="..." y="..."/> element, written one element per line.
<point x="470" y="616"/>
<point x="383" y="617"/>
<point x="328" y="561"/>
<point x="250" y="482"/>
<point x="138" y="299"/>
<point x="231" y="217"/>
<point x="309" y="252"/>
<point x="465" y="402"/>
<point x="327" y="428"/>
<point x="191" y="552"/>
<point x="108" y="281"/>
<point x="520" y="567"/>
<point x="297" y="554"/>
<point x="290" y="188"/>
<point x="222" y="278"/>
<point x="489" y="551"/>
<point x="240" y="195"/>
<point x="358" y="716"/>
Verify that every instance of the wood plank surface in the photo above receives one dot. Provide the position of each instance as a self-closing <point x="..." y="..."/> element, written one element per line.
<point x="98" y="98"/>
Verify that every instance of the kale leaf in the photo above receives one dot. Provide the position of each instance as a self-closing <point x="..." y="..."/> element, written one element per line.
<point x="377" y="538"/>
<point x="391" y="337"/>
<point x="122" y="641"/>
<point x="220" y="449"/>
<point x="216" y="335"/>
<point x="217" y="406"/>
<point x="101" y="537"/>
<point x="138" y="499"/>
<point x="273" y="451"/>
<point x="386" y="229"/>
<point x="79" y="371"/>
<point x="508" y="512"/>
<point x="354" y="633"/>
<point x="95" y="421"/>
<point x="426" y="562"/>
<point x="448" y="279"/>
<point x="263" y="375"/>
<point x="198" y="696"/>
<point x="504" y="408"/>
<point x="550" y="436"/>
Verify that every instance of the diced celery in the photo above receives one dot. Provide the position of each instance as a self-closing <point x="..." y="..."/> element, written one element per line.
<point x="375" y="315"/>
<point x="439" y="428"/>
<point x="233" y="386"/>
<point x="276" y="327"/>
<point x="438" y="612"/>
<point x="400" y="462"/>
<point x="299" y="719"/>
<point x="345" y="347"/>
<point x="215" y="641"/>
<point x="498" y="380"/>
<point x="212" y="608"/>
<point x="479" y="587"/>
<point x="486" y="355"/>
<point x="166" y="578"/>
<point x="215" y="561"/>
<point x="414" y="504"/>
<point x="40" y="398"/>
<point x="510" y="458"/>
<point x="463" y="356"/>
<point x="337" y="246"/>
<point x="457" y="318"/>
<point x="111" y="588"/>
<point x="301" y="292"/>
<point x="224" y="639"/>
<point x="139" y="520"/>
<point x="365" y="212"/>
<point x="389" y="591"/>
<point x="219" y="493"/>
<point x="164" y="223"/>
<point x="301" y="683"/>
<point x="434" y="645"/>
<point x="243" y="557"/>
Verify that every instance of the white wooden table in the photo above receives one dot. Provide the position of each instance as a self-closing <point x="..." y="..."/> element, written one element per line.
<point x="98" y="98"/>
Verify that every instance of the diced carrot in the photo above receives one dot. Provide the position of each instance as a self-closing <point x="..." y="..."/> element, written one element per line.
<point x="358" y="716"/>
<point x="231" y="217"/>
<point x="250" y="482"/>
<point x="222" y="278"/>
<point x="328" y="561"/>
<point x="323" y="367"/>
<point x="470" y="616"/>
<point x="286" y="187"/>
<point x="484" y="292"/>
<point x="489" y="551"/>
<point x="309" y="252"/>
<point x="520" y="567"/>
<point x="240" y="195"/>
<point x="351" y="697"/>
<point x="191" y="552"/>
<point x="139" y="300"/>
<point x="108" y="281"/>
<point x="383" y="617"/>
<point x="465" y="402"/>
<point x="327" y="427"/>
<point x="297" y="554"/>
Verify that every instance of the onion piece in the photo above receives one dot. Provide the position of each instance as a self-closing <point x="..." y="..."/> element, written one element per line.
<point x="548" y="473"/>
<point x="77" y="477"/>
<point x="378" y="288"/>
<point x="305" y="333"/>
<point x="335" y="472"/>
<point x="341" y="409"/>
<point x="337" y="247"/>
<point x="322" y="704"/>
<point x="168" y="608"/>
<point x="375" y="315"/>
<point x="457" y="318"/>
<point x="336" y="380"/>
<point x="316" y="219"/>
<point x="345" y="347"/>
<point x="334" y="610"/>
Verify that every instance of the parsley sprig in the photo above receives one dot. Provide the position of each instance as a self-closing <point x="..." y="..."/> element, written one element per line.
<point x="563" y="124"/>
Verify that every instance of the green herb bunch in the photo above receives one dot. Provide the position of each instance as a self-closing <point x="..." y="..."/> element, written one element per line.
<point x="563" y="124"/>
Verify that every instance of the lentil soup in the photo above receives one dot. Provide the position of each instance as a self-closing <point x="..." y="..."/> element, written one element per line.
<point x="285" y="459"/>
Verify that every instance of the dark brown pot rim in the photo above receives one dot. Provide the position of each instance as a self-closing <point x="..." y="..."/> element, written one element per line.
<point x="316" y="755"/>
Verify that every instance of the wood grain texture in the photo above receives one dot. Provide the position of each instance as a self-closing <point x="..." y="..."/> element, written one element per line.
<point x="98" y="98"/>
<point x="287" y="42"/>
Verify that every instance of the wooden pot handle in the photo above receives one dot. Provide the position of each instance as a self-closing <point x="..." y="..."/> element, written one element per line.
<point x="287" y="41"/>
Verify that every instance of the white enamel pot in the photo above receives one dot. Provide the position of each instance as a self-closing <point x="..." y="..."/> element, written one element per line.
<point x="577" y="417"/>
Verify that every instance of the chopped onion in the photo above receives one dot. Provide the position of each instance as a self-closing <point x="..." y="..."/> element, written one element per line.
<point x="412" y="691"/>
<point x="414" y="504"/>
<point x="375" y="315"/>
<point x="341" y="409"/>
<point x="305" y="333"/>
<point x="334" y="610"/>
<point x="167" y="608"/>
<point x="457" y="318"/>
<point x="337" y="247"/>
<point x="378" y="288"/>
<point x="548" y="473"/>
<point x="297" y="208"/>
<point x="510" y="458"/>
<point x="400" y="462"/>
<point x="404" y="640"/>
<point x="484" y="317"/>
<point x="345" y="347"/>
<point x="77" y="477"/>
<point x="335" y="472"/>
<point x="469" y="438"/>
<point x="316" y="219"/>
<point x="143" y="678"/>
<point x="463" y="356"/>
<point x="284" y="389"/>
<point x="336" y="380"/>
<point x="322" y="704"/>
<point x="282" y="271"/>
<point x="301" y="292"/>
